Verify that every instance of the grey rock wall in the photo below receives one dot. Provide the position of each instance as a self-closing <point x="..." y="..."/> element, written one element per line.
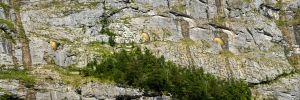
<point x="286" y="88"/>
<point x="248" y="35"/>
<point x="180" y="30"/>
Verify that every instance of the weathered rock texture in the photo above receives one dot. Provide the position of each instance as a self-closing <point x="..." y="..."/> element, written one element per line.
<point x="50" y="86"/>
<point x="258" y="48"/>
<point x="286" y="88"/>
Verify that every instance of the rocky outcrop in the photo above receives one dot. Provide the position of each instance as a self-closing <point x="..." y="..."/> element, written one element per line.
<point x="50" y="86"/>
<point x="286" y="88"/>
<point x="260" y="42"/>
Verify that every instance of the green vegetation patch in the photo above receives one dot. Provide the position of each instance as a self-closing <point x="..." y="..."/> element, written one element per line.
<point x="10" y="37"/>
<point x="4" y="6"/>
<point x="145" y="71"/>
<point x="111" y="39"/>
<point x="15" y="73"/>
<point x="83" y="28"/>
<point x="279" y="4"/>
<point x="188" y="41"/>
<point x="126" y="20"/>
<point x="8" y="23"/>
<point x="66" y="40"/>
<point x="74" y="80"/>
<point x="247" y="1"/>
<point x="92" y="5"/>
<point x="179" y="8"/>
<point x="219" y="21"/>
<point x="132" y="1"/>
<point x="98" y="47"/>
<point x="227" y="53"/>
<point x="22" y="34"/>
<point x="105" y="21"/>
<point x="296" y="20"/>
<point x="107" y="32"/>
<point x="9" y="97"/>
<point x="281" y="23"/>
<point x="292" y="22"/>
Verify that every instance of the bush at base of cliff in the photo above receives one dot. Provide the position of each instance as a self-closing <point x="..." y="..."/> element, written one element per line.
<point x="146" y="71"/>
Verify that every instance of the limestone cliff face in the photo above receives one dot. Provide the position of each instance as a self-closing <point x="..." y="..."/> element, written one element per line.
<point x="261" y="37"/>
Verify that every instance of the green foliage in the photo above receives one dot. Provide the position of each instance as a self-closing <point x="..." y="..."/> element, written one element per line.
<point x="83" y="28"/>
<point x="69" y="75"/>
<point x="115" y="10"/>
<point x="98" y="47"/>
<point x="281" y="23"/>
<point x="8" y="23"/>
<point x="111" y="41"/>
<point x="105" y="21"/>
<point x="7" y="7"/>
<point x="247" y="1"/>
<point x="179" y="8"/>
<point x="92" y="5"/>
<point x="227" y="53"/>
<point x="219" y="20"/>
<point x="126" y="20"/>
<point x="4" y="6"/>
<point x="296" y="20"/>
<point x="10" y="37"/>
<point x="284" y="74"/>
<point x="94" y="43"/>
<point x="279" y="4"/>
<point x="107" y="32"/>
<point x="55" y="2"/>
<point x="23" y="36"/>
<point x="146" y="71"/>
<point x="187" y="41"/>
<point x="15" y="7"/>
<point x="16" y="74"/>
<point x="9" y="97"/>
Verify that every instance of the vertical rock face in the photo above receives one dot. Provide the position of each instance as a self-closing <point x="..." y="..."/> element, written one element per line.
<point x="261" y="37"/>
<point x="6" y="51"/>
<point x="10" y="48"/>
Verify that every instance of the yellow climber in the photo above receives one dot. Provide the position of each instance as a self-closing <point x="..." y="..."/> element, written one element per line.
<point x="220" y="41"/>
<point x="54" y="45"/>
<point x="146" y="36"/>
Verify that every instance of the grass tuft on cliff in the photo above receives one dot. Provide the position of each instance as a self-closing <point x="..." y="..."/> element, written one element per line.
<point x="9" y="24"/>
<point x="14" y="73"/>
<point x="70" y="77"/>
